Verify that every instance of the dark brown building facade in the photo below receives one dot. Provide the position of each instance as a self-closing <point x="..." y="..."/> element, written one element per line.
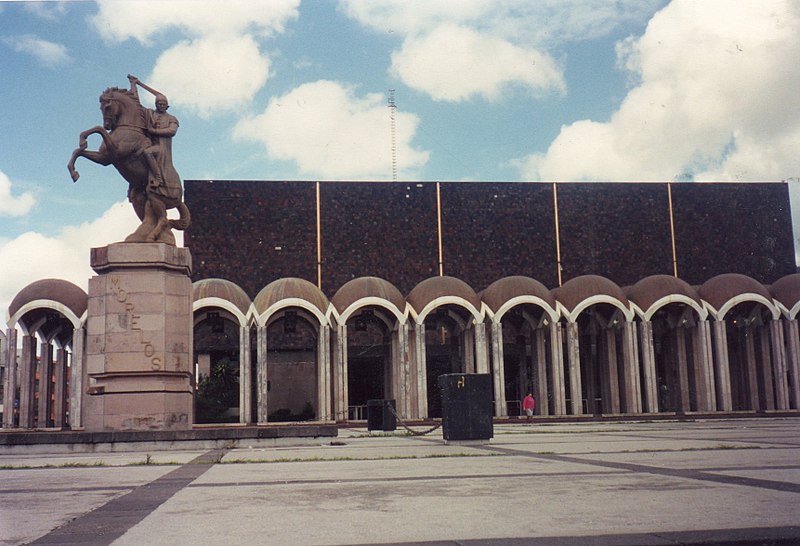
<point x="255" y="232"/>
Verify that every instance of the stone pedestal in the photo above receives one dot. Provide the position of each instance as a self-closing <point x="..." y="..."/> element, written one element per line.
<point x="139" y="338"/>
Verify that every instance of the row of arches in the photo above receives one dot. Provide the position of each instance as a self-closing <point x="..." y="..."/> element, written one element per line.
<point x="587" y="347"/>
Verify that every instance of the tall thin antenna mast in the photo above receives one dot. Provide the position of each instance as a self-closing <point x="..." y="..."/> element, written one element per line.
<point x="392" y="112"/>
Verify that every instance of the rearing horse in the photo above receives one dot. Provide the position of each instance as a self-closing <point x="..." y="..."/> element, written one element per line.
<point x="125" y="139"/>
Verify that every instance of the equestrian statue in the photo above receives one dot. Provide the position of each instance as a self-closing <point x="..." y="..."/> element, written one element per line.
<point x="137" y="141"/>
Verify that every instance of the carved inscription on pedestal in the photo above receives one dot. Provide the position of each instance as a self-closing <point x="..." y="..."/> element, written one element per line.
<point x="121" y="295"/>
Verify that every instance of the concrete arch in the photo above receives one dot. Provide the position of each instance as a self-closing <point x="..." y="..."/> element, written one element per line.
<point x="722" y="293"/>
<point x="580" y="293"/>
<point x="368" y="291"/>
<point x="508" y="292"/>
<point x="654" y="292"/>
<point x="786" y="293"/>
<point x="438" y="291"/>
<point x="290" y="292"/>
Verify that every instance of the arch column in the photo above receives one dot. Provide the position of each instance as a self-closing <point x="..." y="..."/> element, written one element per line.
<point x="682" y="368"/>
<point x="793" y="361"/>
<point x="722" y="367"/>
<point x="767" y="368"/>
<point x="574" y="363"/>
<point x="557" y="369"/>
<point x="481" y="350"/>
<point x="468" y="348"/>
<point x="340" y="373"/>
<point x="323" y="373"/>
<point x="541" y="371"/>
<point x="609" y="382"/>
<point x="261" y="375"/>
<point x="752" y="370"/>
<point x="422" y="371"/>
<point x="631" y="381"/>
<point x="27" y="381"/>
<point x="650" y="385"/>
<point x="59" y="406"/>
<point x="401" y="372"/>
<point x="45" y="384"/>
<point x="78" y="379"/>
<point x="8" y="357"/>
<point x="498" y="371"/>
<point x="245" y="376"/>
<point x="704" y="375"/>
<point x="779" y="365"/>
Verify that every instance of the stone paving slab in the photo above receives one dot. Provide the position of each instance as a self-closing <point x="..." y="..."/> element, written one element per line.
<point x="614" y="483"/>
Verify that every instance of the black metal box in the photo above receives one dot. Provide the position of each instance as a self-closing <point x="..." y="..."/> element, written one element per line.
<point x="380" y="415"/>
<point x="466" y="406"/>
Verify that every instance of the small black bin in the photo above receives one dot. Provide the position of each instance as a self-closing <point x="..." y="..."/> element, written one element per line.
<point x="380" y="415"/>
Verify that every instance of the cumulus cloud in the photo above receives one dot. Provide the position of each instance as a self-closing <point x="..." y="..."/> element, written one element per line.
<point x="332" y="133"/>
<point x="455" y="50"/>
<point x="460" y="63"/>
<point x="543" y="22"/>
<point x="219" y="67"/>
<point x="11" y="205"/>
<point x="51" y="11"/>
<point x="715" y="98"/>
<point x="48" y="54"/>
<point x="143" y="19"/>
<point x="64" y="256"/>
<point x="212" y="74"/>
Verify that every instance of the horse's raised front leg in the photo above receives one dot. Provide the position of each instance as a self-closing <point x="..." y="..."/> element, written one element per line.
<point x="101" y="158"/>
<point x="71" y="165"/>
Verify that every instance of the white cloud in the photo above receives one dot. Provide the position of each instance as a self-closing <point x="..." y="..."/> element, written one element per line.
<point x="456" y="49"/>
<point x="48" y="54"/>
<point x="716" y="97"/>
<point x="51" y="11"/>
<point x="65" y="256"/>
<point x="331" y="133"/>
<point x="459" y="63"/>
<point x="540" y="22"/>
<point x="141" y="20"/>
<point x="219" y="68"/>
<point x="217" y="73"/>
<point x="11" y="205"/>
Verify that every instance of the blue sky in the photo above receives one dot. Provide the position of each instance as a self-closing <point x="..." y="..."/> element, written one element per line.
<point x="486" y="90"/>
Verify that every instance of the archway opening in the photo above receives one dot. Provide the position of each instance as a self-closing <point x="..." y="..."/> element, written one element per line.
<point x="217" y="373"/>
<point x="291" y="367"/>
<point x="368" y="361"/>
<point x="444" y="352"/>
<point x="675" y="352"/>
<point x="527" y="358"/>
<point x="749" y="357"/>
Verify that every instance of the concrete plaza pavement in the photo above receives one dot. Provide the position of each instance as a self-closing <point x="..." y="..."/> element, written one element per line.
<point x="666" y="482"/>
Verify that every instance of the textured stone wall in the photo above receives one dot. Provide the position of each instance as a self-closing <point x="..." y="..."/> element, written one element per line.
<point x="379" y="229"/>
<point x="619" y="231"/>
<point x="252" y="233"/>
<point x="733" y="228"/>
<point x="493" y="230"/>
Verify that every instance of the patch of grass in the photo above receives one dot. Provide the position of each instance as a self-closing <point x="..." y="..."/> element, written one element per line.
<point x="62" y="465"/>
<point x="383" y="458"/>
<point x="708" y="448"/>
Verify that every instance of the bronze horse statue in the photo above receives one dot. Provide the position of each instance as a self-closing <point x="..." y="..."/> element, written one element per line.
<point x="125" y="140"/>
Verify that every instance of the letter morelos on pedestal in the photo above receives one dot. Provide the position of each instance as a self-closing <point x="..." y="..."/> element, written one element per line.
<point x="139" y="338"/>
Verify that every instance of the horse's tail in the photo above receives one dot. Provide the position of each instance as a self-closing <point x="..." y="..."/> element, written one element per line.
<point x="185" y="218"/>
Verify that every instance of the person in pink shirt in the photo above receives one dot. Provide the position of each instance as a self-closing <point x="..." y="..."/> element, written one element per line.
<point x="528" y="405"/>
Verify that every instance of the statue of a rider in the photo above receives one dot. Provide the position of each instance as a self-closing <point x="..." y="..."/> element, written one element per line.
<point x="160" y="128"/>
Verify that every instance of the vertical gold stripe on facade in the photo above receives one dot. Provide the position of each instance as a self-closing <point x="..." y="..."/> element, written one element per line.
<point x="439" y="226"/>
<point x="558" y="239"/>
<point x="319" y="242"/>
<point x="672" y="231"/>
